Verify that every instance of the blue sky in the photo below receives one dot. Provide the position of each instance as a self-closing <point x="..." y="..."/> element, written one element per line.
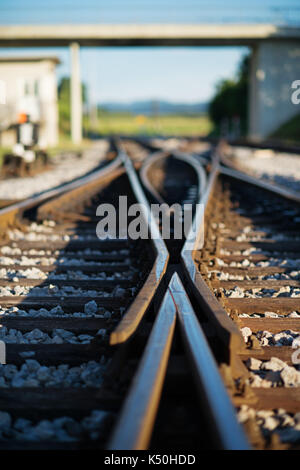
<point x="174" y="74"/>
<point x="123" y="11"/>
<point x="129" y="74"/>
<point x="126" y="74"/>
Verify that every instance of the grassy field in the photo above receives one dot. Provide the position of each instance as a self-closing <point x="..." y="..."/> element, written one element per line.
<point x="122" y="123"/>
<point x="128" y="124"/>
<point x="65" y="145"/>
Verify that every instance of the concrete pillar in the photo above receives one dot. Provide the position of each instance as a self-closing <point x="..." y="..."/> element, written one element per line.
<point x="76" y="95"/>
<point x="274" y="66"/>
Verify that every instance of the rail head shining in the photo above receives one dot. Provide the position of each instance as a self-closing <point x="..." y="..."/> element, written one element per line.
<point x="225" y="327"/>
<point x="272" y="187"/>
<point x="135" y="425"/>
<point x="136" y="311"/>
<point x="228" y="168"/>
<point x="221" y="414"/>
<point x="195" y="236"/>
<point x="163" y="155"/>
<point x="155" y="157"/>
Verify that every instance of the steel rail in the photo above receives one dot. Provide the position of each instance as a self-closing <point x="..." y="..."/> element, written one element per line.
<point x="8" y="214"/>
<point x="136" y="311"/>
<point x="221" y="415"/>
<point x="55" y="199"/>
<point x="196" y="233"/>
<point x="58" y="208"/>
<point x="134" y="428"/>
<point x="161" y="155"/>
<point x="194" y="162"/>
<point x="228" y="168"/>
<point x="135" y="425"/>
<point x="156" y="156"/>
<point x="272" y="187"/>
<point x="225" y="327"/>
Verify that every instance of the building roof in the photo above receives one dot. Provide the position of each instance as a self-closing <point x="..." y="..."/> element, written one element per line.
<point x="11" y="59"/>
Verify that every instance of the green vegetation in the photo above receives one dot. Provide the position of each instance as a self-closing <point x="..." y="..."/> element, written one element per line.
<point x="64" y="91"/>
<point x="107" y="123"/>
<point x="66" y="145"/>
<point x="64" y="115"/>
<point x="231" y="100"/>
<point x="172" y="124"/>
<point x="289" y="131"/>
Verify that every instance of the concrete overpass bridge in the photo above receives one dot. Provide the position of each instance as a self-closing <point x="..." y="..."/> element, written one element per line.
<point x="275" y="58"/>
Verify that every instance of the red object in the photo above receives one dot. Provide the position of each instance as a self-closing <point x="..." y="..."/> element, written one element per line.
<point x="22" y="118"/>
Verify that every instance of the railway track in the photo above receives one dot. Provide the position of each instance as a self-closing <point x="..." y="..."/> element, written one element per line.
<point x="177" y="365"/>
<point x="62" y="294"/>
<point x="76" y="314"/>
<point x="65" y="168"/>
<point x="176" y="183"/>
<point x="250" y="262"/>
<point x="124" y="344"/>
<point x="245" y="283"/>
<point x="15" y="167"/>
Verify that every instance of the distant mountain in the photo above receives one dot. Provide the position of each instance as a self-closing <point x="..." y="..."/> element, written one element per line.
<point x="155" y="107"/>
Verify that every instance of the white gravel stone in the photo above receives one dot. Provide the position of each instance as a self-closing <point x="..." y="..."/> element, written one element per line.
<point x="245" y="413"/>
<point x="66" y="169"/>
<point x="290" y="377"/>
<point x="281" y="168"/>
<point x="253" y="364"/>
<point x="296" y="342"/>
<point x="246" y="332"/>
<point x="36" y="336"/>
<point x="32" y="374"/>
<point x="283" y="338"/>
<point x="51" y="290"/>
<point x="271" y="423"/>
<point x="275" y="364"/>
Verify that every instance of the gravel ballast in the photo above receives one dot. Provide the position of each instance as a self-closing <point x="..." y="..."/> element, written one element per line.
<point x="278" y="167"/>
<point x="66" y="169"/>
<point x="272" y="373"/>
<point x="33" y="374"/>
<point x="285" y="425"/>
<point x="62" y="429"/>
<point x="36" y="336"/>
<point x="91" y="310"/>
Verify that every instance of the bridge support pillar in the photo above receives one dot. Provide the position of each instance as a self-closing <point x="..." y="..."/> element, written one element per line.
<point x="274" y="66"/>
<point x="76" y="94"/>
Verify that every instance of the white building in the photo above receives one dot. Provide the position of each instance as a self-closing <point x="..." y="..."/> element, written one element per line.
<point x="29" y="79"/>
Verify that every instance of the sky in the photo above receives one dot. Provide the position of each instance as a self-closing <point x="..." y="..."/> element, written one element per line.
<point x="147" y="11"/>
<point x="184" y="75"/>
<point x="129" y="74"/>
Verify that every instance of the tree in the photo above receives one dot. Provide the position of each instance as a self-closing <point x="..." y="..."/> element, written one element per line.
<point x="231" y="98"/>
<point x="64" y="103"/>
